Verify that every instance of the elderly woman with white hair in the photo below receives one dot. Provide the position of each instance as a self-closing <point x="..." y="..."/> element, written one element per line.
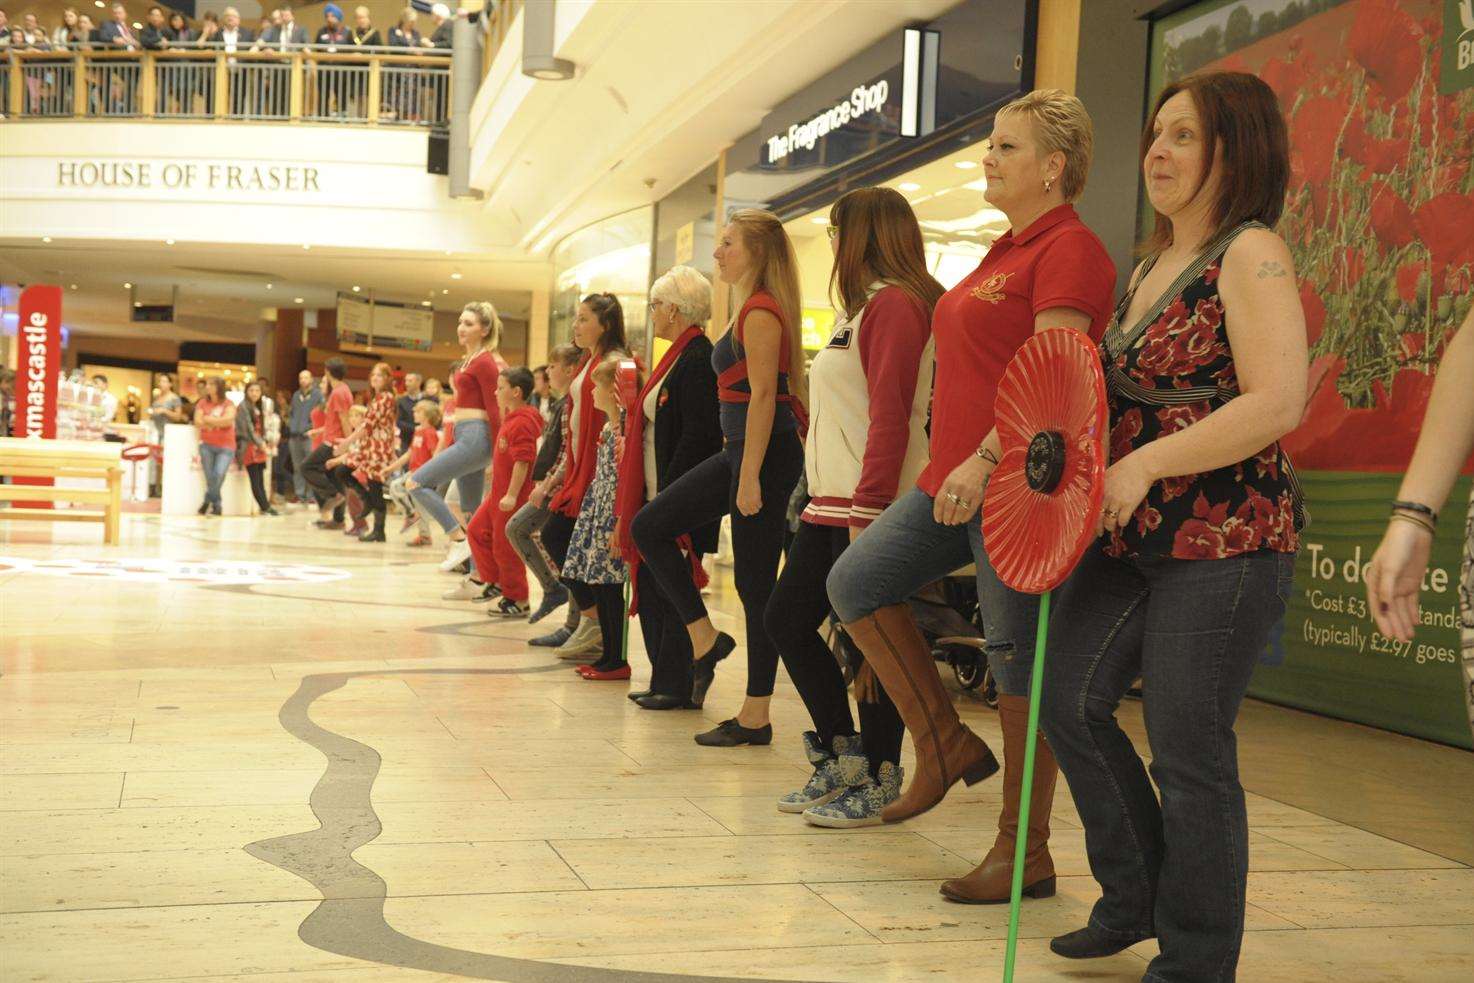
<point x="673" y="426"/>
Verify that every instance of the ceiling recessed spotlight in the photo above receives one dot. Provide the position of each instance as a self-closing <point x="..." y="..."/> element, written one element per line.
<point x="455" y="276"/>
<point x="909" y="186"/>
<point x="355" y="288"/>
<point x="449" y="252"/>
<point x="965" y="165"/>
<point x="168" y="242"/>
<point x="138" y="303"/>
<point x="137" y="26"/>
<point x="424" y="303"/>
<point x="46" y="238"/>
<point x="296" y="300"/>
<point x="444" y="292"/>
<point x="98" y="3"/>
<point x="820" y="220"/>
<point x="74" y="286"/>
<point x="269" y="286"/>
<point x="127" y="286"/>
<point x="306" y="245"/>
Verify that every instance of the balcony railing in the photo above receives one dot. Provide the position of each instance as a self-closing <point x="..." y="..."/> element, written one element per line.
<point x="367" y="86"/>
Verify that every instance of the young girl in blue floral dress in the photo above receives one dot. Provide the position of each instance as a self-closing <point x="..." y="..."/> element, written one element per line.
<point x="590" y="557"/>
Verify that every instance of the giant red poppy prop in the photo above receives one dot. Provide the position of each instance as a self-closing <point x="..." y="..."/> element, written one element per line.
<point x="1044" y="497"/>
<point x="1042" y="507"/>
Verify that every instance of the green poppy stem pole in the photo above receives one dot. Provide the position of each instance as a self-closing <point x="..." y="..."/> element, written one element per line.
<point x="1036" y="691"/>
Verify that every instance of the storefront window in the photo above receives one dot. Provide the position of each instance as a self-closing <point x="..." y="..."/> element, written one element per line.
<point x="612" y="256"/>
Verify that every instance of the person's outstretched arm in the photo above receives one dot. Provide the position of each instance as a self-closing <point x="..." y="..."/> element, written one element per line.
<point x="1448" y="436"/>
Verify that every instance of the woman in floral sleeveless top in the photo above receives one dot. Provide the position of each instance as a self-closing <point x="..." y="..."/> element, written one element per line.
<point x="1206" y="367"/>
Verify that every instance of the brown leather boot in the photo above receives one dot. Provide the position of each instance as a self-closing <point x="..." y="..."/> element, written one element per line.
<point x="991" y="882"/>
<point x="946" y="751"/>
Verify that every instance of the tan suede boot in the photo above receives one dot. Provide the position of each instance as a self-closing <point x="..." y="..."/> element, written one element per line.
<point x="991" y="882"/>
<point x="946" y="751"/>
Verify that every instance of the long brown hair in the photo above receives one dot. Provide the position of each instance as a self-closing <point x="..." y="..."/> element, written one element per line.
<point x="775" y="271"/>
<point x="610" y="314"/>
<point x="879" y="239"/>
<point x="1241" y="115"/>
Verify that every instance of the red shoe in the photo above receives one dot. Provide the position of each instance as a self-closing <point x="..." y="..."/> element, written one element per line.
<point x="623" y="672"/>
<point x="359" y="527"/>
<point x="421" y="541"/>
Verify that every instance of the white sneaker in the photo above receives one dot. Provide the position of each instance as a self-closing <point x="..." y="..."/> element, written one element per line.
<point x="585" y="640"/>
<point x="458" y="553"/>
<point x="472" y="590"/>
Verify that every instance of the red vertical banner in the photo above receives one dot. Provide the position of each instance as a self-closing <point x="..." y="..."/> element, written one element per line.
<point x="37" y="370"/>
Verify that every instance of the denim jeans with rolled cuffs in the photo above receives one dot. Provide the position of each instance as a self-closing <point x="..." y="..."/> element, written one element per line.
<point x="906" y="549"/>
<point x="1192" y="631"/>
<point x="465" y="461"/>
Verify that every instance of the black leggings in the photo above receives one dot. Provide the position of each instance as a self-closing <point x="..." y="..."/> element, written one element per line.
<point x="556" y="536"/>
<point x="258" y="484"/>
<point x="795" y="613"/>
<point x="705" y="493"/>
<point x="666" y="641"/>
<point x="372" y="492"/>
<point x="609" y="599"/>
<point x="324" y="487"/>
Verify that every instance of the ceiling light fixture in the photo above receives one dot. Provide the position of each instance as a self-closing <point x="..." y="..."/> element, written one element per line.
<point x="355" y="288"/>
<point x="455" y="276"/>
<point x="443" y="292"/>
<point x="269" y="286"/>
<point x="296" y="300"/>
<point x="424" y="303"/>
<point x="74" y="286"/>
<point x="820" y="220"/>
<point x="909" y="186"/>
<point x="127" y="286"/>
<point x="965" y="165"/>
<point x="46" y="238"/>
<point x="168" y="242"/>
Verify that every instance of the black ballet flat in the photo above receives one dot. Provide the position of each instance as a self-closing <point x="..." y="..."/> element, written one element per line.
<point x="664" y="701"/>
<point x="634" y="696"/>
<point x="704" y="669"/>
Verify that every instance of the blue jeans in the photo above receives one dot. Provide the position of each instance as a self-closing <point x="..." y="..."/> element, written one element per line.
<point x="216" y="463"/>
<point x="906" y="549"/>
<point x="1192" y="630"/>
<point x="465" y="461"/>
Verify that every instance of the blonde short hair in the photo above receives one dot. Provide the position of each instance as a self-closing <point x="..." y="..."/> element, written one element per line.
<point x="687" y="290"/>
<point x="1060" y="124"/>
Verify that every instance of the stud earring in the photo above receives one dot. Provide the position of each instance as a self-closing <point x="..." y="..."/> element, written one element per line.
<point x="1048" y="184"/>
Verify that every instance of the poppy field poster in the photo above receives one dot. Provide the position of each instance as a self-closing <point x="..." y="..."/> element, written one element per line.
<point x="1380" y="219"/>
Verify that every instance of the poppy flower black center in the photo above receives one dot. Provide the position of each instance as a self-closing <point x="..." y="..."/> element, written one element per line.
<point x="1046" y="462"/>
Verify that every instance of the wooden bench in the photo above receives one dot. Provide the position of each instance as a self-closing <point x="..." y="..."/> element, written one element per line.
<point x="56" y="459"/>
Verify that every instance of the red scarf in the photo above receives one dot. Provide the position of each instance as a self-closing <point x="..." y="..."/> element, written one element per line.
<point x="631" y="495"/>
<point x="583" y="457"/>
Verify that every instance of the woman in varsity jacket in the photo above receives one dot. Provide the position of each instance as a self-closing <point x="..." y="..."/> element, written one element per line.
<point x="868" y="394"/>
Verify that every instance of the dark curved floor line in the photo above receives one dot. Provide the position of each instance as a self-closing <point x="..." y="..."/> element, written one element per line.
<point x="349" y="921"/>
<point x="451" y="629"/>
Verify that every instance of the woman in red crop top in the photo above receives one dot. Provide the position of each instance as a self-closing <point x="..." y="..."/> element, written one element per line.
<point x="476" y="420"/>
<point x="761" y="384"/>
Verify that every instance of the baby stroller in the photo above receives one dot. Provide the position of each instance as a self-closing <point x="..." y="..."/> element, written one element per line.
<point x="947" y="613"/>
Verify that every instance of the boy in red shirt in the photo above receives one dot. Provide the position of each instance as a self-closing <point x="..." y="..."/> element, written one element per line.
<point x="421" y="449"/>
<point x="497" y="568"/>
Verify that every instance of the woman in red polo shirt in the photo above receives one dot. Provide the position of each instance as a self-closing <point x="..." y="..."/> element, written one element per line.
<point x="1047" y="270"/>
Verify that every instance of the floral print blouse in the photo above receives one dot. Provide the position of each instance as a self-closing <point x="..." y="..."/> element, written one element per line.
<point x="1178" y="371"/>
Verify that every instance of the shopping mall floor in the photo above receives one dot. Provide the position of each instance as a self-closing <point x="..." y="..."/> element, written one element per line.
<point x="180" y="794"/>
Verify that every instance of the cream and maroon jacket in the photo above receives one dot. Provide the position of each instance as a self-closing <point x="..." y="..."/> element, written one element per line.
<point x="869" y="390"/>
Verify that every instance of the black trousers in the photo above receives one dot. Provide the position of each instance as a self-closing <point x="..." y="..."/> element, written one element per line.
<point x="371" y="492"/>
<point x="796" y="611"/>
<point x="257" y="473"/>
<point x="705" y="493"/>
<point x="324" y="486"/>
<point x="556" y="536"/>
<point x="609" y="599"/>
<point x="666" y="641"/>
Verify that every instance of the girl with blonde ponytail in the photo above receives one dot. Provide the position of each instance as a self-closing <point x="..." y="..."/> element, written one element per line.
<point x="761" y="386"/>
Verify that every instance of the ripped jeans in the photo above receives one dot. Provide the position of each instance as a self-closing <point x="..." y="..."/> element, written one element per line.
<point x="906" y="549"/>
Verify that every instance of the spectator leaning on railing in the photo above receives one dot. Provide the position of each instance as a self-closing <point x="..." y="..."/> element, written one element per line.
<point x="155" y="36"/>
<point x="364" y="33"/>
<point x="118" y="32"/>
<point x="333" y="32"/>
<point x="179" y="32"/>
<point x="440" y="37"/>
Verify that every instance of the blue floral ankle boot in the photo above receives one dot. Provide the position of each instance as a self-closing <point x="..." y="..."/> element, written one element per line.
<point x="825" y="784"/>
<point x="863" y="799"/>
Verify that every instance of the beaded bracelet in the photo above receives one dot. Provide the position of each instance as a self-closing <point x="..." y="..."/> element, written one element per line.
<point x="1417" y="507"/>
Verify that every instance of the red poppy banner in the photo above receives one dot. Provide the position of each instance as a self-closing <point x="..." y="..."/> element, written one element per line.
<point x="1380" y="220"/>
